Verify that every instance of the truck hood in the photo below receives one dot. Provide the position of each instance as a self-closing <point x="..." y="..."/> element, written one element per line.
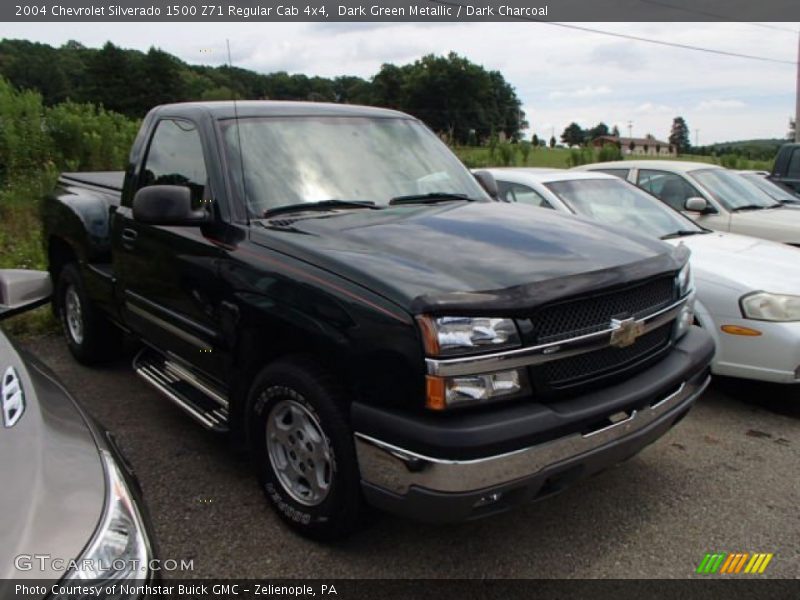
<point x="53" y="484"/>
<point x="744" y="263"/>
<point x="469" y="256"/>
<point x="778" y="224"/>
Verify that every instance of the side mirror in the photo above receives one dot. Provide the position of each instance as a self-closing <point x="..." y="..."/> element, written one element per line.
<point x="166" y="205"/>
<point x="488" y="183"/>
<point x="697" y="204"/>
<point x="22" y="290"/>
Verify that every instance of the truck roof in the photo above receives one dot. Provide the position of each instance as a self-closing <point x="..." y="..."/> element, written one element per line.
<point x="274" y="108"/>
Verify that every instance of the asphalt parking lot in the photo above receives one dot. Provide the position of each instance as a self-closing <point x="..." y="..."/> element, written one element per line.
<point x="724" y="480"/>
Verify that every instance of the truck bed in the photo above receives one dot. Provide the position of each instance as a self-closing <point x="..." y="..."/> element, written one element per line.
<point x="110" y="180"/>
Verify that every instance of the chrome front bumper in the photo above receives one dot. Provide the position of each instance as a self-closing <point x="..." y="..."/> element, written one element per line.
<point x="397" y="470"/>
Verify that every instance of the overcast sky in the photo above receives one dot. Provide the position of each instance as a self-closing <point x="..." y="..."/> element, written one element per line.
<point x="560" y="75"/>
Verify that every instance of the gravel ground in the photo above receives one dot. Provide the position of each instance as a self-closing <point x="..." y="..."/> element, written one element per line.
<point x="725" y="479"/>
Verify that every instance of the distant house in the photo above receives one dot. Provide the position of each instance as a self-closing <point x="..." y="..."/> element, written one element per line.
<point x="646" y="146"/>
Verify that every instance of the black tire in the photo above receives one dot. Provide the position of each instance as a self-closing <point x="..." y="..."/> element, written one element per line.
<point x="303" y="382"/>
<point x="99" y="340"/>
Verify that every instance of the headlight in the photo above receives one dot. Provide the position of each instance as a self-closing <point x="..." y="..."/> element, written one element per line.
<point x="684" y="281"/>
<point x="764" y="306"/>
<point x="685" y="317"/>
<point x="448" y="336"/>
<point x="472" y="390"/>
<point x="120" y="549"/>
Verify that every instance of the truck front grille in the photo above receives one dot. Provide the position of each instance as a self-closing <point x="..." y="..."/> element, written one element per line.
<point x="583" y="316"/>
<point x="576" y="370"/>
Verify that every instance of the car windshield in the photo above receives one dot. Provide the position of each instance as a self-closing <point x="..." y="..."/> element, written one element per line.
<point x="732" y="191"/>
<point x="296" y="160"/>
<point x="773" y="190"/>
<point x="616" y="202"/>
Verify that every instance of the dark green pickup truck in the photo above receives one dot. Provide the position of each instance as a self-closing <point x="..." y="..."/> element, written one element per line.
<point x="330" y="286"/>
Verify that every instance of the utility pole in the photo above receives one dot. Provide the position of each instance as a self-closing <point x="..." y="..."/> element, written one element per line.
<point x="630" y="129"/>
<point x="797" y="95"/>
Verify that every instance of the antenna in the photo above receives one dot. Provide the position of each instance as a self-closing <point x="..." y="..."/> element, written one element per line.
<point x="238" y="133"/>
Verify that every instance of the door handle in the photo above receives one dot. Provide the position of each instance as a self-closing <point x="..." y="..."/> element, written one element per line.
<point x="129" y="238"/>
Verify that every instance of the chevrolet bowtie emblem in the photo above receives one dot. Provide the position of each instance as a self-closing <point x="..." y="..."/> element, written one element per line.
<point x="625" y="332"/>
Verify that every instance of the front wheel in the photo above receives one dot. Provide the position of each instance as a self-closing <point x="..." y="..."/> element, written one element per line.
<point x="90" y="336"/>
<point x="303" y="450"/>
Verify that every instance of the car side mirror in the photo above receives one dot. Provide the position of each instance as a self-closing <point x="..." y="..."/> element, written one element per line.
<point x="167" y="205"/>
<point x="22" y="290"/>
<point x="488" y="183"/>
<point x="698" y="205"/>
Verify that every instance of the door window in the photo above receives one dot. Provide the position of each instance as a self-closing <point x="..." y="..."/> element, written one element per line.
<point x="516" y="192"/>
<point x="670" y="188"/>
<point x="794" y="165"/>
<point x="175" y="157"/>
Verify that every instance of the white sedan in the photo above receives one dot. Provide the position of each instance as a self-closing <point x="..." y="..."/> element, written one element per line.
<point x="748" y="290"/>
<point x="714" y="197"/>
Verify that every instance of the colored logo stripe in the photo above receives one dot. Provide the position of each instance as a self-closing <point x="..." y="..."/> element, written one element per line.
<point x="733" y="563"/>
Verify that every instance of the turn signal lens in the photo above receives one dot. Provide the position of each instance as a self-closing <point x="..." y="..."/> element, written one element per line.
<point x="435" y="396"/>
<point x="739" y="330"/>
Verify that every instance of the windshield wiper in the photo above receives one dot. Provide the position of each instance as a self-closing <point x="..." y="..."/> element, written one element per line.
<point x="319" y="205"/>
<point x="683" y="233"/>
<point x="431" y="198"/>
<point x="753" y="207"/>
<point x="789" y="201"/>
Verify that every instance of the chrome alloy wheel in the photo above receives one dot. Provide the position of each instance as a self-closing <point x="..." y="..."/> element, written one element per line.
<point x="73" y="314"/>
<point x="299" y="452"/>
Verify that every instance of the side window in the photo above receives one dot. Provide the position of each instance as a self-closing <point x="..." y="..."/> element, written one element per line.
<point x="671" y="189"/>
<point x="175" y="157"/>
<point x="621" y="173"/>
<point x="793" y="170"/>
<point x="515" y="192"/>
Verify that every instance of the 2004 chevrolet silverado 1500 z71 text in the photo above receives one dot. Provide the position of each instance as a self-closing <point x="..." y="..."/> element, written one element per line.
<point x="330" y="285"/>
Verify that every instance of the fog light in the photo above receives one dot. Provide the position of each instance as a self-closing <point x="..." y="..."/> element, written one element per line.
<point x="488" y="499"/>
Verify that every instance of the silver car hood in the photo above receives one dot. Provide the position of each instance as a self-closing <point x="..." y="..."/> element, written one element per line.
<point x="52" y="484"/>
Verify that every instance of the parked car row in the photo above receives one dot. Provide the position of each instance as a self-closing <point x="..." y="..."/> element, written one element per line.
<point x="748" y="289"/>
<point x="328" y="286"/>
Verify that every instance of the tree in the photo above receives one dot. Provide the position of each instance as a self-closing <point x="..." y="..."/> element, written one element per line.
<point x="535" y="141"/>
<point x="615" y="131"/>
<point x="631" y="146"/>
<point x="792" y="129"/>
<point x="573" y="135"/>
<point x="596" y="131"/>
<point x="552" y="141"/>
<point x="679" y="136"/>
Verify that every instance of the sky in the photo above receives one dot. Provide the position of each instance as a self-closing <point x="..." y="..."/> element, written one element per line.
<point x="560" y="75"/>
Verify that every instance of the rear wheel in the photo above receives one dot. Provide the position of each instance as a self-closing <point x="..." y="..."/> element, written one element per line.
<point x="91" y="337"/>
<point x="303" y="450"/>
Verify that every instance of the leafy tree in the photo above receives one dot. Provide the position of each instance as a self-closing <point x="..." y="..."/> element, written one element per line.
<point x="573" y="135"/>
<point x="535" y="141"/>
<point x="596" y="131"/>
<point x="792" y="129"/>
<point x="679" y="135"/>
<point x="615" y="131"/>
<point x="552" y="141"/>
<point x="608" y="153"/>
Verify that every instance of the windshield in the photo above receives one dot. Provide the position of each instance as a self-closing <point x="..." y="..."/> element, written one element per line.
<point x="616" y="202"/>
<point x="730" y="190"/>
<point x="773" y="190"/>
<point x="294" y="160"/>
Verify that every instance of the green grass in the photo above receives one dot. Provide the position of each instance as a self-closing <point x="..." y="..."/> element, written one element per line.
<point x="21" y="245"/>
<point x="482" y="156"/>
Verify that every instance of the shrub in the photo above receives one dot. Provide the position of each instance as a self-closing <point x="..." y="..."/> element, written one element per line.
<point x="608" y="153"/>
